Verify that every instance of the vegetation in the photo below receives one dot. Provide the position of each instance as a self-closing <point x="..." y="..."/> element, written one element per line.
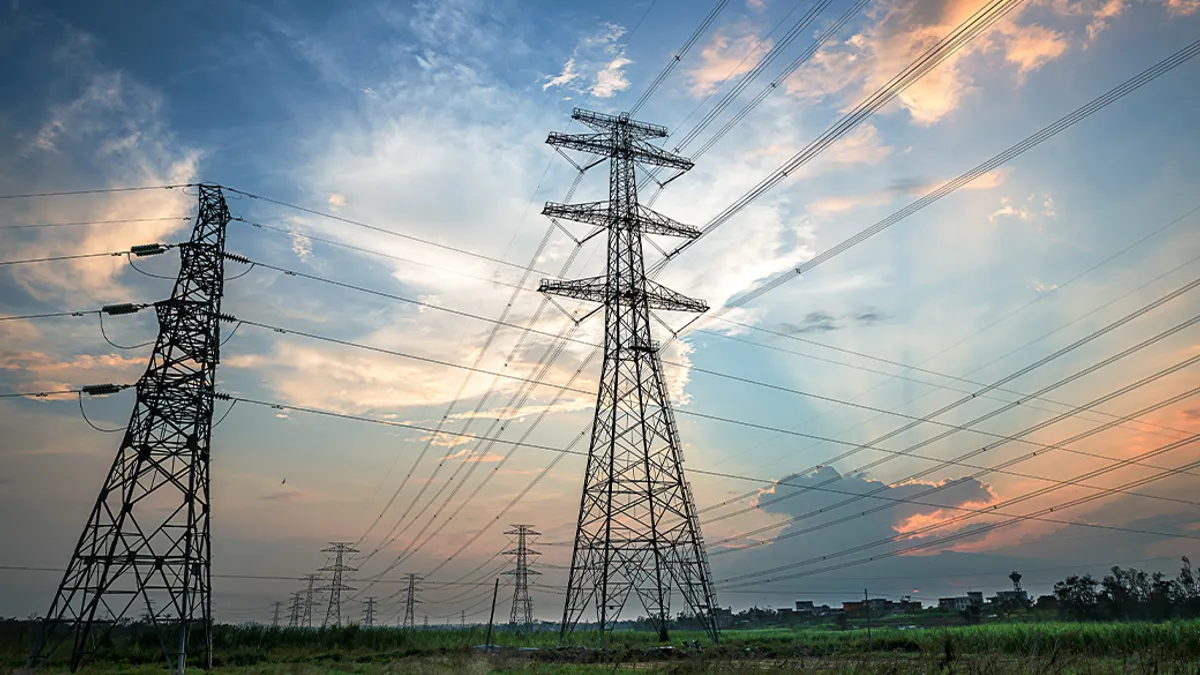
<point x="1065" y="647"/>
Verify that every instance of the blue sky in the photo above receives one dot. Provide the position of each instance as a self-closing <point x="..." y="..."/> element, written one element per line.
<point x="429" y="119"/>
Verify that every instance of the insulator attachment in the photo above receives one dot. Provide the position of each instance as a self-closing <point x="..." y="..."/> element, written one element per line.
<point x="142" y="250"/>
<point x="122" y="308"/>
<point x="222" y="396"/>
<point x="237" y="257"/>
<point x="101" y="389"/>
<point x="228" y="318"/>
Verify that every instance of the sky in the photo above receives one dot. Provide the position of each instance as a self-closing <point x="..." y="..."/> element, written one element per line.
<point x="429" y="119"/>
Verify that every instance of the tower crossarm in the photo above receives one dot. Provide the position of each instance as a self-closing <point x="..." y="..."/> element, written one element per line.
<point x="646" y="220"/>
<point x="638" y="150"/>
<point x="596" y="289"/>
<point x="605" y="122"/>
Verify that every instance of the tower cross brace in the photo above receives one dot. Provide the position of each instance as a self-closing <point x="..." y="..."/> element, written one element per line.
<point x="637" y="530"/>
<point x="337" y="581"/>
<point x="522" y="606"/>
<point x="147" y="540"/>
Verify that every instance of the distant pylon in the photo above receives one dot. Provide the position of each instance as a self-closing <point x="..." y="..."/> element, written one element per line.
<point x="637" y="529"/>
<point x="147" y="538"/>
<point x="410" y="602"/>
<point x="522" y="606"/>
<point x="296" y="611"/>
<point x="310" y="600"/>
<point x="275" y="616"/>
<point x="337" y="580"/>
<point x="369" y="613"/>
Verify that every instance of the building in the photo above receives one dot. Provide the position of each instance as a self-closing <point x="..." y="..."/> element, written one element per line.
<point x="961" y="602"/>
<point x="805" y="607"/>
<point x="1017" y="597"/>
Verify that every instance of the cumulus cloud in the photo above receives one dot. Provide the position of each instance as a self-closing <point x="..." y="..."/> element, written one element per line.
<point x="806" y="502"/>
<point x="724" y="57"/>
<point x="596" y="65"/>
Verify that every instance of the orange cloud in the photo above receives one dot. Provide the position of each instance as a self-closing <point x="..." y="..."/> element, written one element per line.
<point x="723" y="58"/>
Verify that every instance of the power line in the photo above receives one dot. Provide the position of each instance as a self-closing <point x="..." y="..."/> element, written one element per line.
<point x="381" y="230"/>
<point x="978" y="22"/>
<point x="78" y="223"/>
<point x="94" y="191"/>
<point x="743" y="579"/>
<point x="1083" y="112"/>
<point x="678" y="55"/>
<point x="921" y="474"/>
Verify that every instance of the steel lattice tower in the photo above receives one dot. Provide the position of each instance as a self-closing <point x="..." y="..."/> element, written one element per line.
<point x="147" y="540"/>
<point x="369" y="612"/>
<point x="410" y="602"/>
<point x="296" y="610"/>
<point x="637" y="528"/>
<point x="337" y="580"/>
<point x="309" y="600"/>
<point x="522" y="607"/>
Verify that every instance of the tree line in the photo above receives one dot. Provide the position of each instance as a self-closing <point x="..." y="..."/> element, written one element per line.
<point x="1126" y="595"/>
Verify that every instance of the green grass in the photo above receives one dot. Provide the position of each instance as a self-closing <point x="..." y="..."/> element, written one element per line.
<point x="990" y="648"/>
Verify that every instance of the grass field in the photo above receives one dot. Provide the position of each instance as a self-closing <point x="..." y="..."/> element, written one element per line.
<point x="1172" y="647"/>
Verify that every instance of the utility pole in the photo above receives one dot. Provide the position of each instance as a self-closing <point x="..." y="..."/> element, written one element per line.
<point x="275" y="617"/>
<point x="867" y="606"/>
<point x="337" y="584"/>
<point x="522" y="607"/>
<point x="297" y="609"/>
<point x="147" y="540"/>
<point x="410" y="602"/>
<point x="369" y="619"/>
<point x="309" y="600"/>
<point x="637" y="529"/>
<point x="462" y="619"/>
<point x="426" y="622"/>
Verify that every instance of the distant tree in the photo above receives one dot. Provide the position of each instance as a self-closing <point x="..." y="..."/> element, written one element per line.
<point x="1124" y="594"/>
<point x="842" y="621"/>
<point x="971" y="613"/>
<point x="1046" y="603"/>
<point x="1076" y="596"/>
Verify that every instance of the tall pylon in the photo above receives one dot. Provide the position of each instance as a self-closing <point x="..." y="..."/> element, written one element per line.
<point x="275" y="616"/>
<point x="310" y="600"/>
<point x="369" y="613"/>
<point x="147" y="540"/>
<point x="410" y="602"/>
<point x="522" y="607"/>
<point x="637" y="529"/>
<point x="296" y="611"/>
<point x="337" y="580"/>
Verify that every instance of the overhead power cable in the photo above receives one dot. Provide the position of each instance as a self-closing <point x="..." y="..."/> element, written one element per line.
<point x="64" y="193"/>
<point x="746" y="579"/>
<point x="381" y="230"/>
<point x="560" y="337"/>
<point x="734" y="476"/>
<point x="972" y="27"/>
<point x="94" y="222"/>
<point x="979" y="451"/>
<point x="1110" y="301"/>
<point x="1129" y="317"/>
<point x="1083" y="112"/>
<point x="678" y="55"/>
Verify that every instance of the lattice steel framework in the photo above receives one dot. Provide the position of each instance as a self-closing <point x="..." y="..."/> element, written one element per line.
<point x="522" y="606"/>
<point x="410" y="602"/>
<point x="637" y="528"/>
<point x="337" y="570"/>
<point x="148" y="535"/>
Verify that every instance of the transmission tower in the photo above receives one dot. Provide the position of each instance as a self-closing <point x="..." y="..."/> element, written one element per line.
<point x="369" y="613"/>
<point x="275" y="617"/>
<point x="296" y="611"/>
<point x="637" y="528"/>
<point x="147" y="540"/>
<point x="410" y="602"/>
<point x="309" y="600"/>
<point x="337" y="580"/>
<point x="522" y="607"/>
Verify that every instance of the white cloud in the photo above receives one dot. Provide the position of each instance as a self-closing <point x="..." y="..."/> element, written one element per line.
<point x="567" y="76"/>
<point x="610" y="80"/>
